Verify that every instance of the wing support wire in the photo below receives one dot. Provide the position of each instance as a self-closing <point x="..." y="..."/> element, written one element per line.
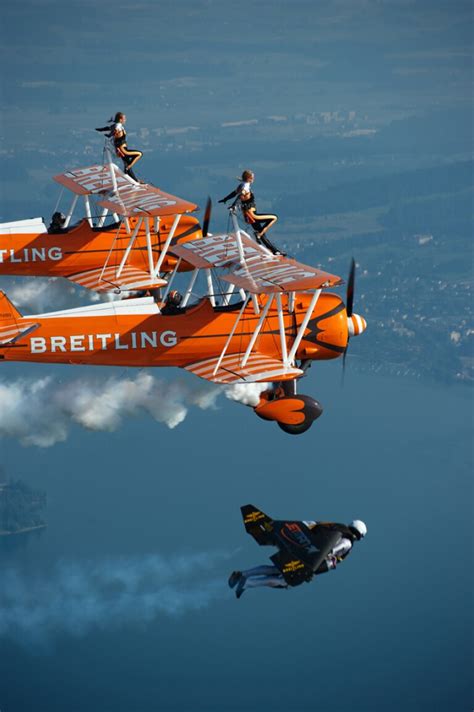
<point x="302" y="329"/>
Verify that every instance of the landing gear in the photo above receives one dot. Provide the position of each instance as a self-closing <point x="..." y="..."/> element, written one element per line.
<point x="293" y="413"/>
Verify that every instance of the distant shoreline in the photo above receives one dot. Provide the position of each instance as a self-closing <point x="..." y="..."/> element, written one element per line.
<point x="4" y="532"/>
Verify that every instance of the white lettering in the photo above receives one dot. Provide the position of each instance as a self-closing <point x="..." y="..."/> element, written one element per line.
<point x="2" y="252"/>
<point x="36" y="254"/>
<point x="120" y="342"/>
<point x="55" y="253"/>
<point x="37" y="345"/>
<point x="13" y="258"/>
<point x="168" y="338"/>
<point x="77" y="343"/>
<point x="58" y="343"/>
<point x="150" y="338"/>
<point x="103" y="338"/>
<point x="118" y="345"/>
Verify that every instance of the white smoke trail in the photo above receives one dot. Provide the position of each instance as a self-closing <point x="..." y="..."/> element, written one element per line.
<point x="40" y="412"/>
<point x="77" y="597"/>
<point x="246" y="393"/>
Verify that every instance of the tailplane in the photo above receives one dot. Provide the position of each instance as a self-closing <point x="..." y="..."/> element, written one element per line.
<point x="258" y="524"/>
<point x="12" y="325"/>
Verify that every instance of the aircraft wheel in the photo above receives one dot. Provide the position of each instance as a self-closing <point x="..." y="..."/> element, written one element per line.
<point x="311" y="411"/>
<point x="296" y="429"/>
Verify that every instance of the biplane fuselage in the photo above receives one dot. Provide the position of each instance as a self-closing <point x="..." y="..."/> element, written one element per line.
<point x="134" y="333"/>
<point x="82" y="248"/>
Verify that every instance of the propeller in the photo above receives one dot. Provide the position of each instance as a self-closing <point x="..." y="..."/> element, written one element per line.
<point x="349" y="308"/>
<point x="207" y="217"/>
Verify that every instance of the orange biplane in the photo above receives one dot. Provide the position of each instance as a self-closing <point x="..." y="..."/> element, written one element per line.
<point x="120" y="244"/>
<point x="264" y="319"/>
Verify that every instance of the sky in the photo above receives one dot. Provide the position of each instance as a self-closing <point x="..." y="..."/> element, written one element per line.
<point x="362" y="112"/>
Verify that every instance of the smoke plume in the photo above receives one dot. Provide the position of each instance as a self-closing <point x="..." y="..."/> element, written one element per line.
<point x="79" y="596"/>
<point x="40" y="412"/>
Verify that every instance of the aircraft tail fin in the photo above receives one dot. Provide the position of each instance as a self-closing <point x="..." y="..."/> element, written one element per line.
<point x="258" y="524"/>
<point x="12" y="324"/>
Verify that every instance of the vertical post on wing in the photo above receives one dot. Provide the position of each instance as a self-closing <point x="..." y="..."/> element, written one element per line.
<point x="302" y="329"/>
<point x="87" y="207"/>
<point x="112" y="166"/>
<point x="229" y="338"/>
<point x="281" y="324"/>
<point x="189" y="290"/>
<point x="170" y="281"/>
<point x="102" y="217"/>
<point x="149" y="247"/>
<point x="166" y="245"/>
<point x="291" y="302"/>
<point x="210" y="287"/>
<point x="258" y="328"/>
<point x="129" y="246"/>
<point x="238" y="237"/>
<point x="71" y="211"/>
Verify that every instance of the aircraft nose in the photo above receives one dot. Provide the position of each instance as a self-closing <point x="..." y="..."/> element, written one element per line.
<point x="356" y="324"/>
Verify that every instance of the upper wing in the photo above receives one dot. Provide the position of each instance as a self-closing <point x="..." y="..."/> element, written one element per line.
<point x="258" y="524"/>
<point x="122" y="195"/>
<point x="261" y="272"/>
<point x="106" y="280"/>
<point x="258" y="369"/>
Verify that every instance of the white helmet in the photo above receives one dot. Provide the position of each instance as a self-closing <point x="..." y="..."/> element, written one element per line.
<point x="360" y="527"/>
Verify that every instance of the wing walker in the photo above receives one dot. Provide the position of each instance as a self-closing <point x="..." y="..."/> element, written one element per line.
<point x="257" y="318"/>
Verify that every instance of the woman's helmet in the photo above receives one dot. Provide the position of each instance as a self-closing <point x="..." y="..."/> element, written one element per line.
<point x="359" y="528"/>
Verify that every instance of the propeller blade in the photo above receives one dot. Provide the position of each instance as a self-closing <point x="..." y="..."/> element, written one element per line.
<point x="344" y="364"/>
<point x="207" y="217"/>
<point x="350" y="289"/>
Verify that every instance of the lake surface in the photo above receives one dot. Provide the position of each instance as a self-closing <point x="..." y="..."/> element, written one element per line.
<point x="122" y="602"/>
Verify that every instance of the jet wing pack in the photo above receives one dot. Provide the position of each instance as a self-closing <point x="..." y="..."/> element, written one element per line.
<point x="301" y="549"/>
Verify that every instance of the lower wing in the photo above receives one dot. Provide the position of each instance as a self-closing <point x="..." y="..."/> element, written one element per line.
<point x="258" y="369"/>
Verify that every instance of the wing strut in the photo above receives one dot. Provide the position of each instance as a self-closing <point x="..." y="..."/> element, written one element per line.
<point x="281" y="324"/>
<point x="302" y="329"/>
<point x="258" y="328"/>
<point x="166" y="245"/>
<point x="133" y="237"/>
